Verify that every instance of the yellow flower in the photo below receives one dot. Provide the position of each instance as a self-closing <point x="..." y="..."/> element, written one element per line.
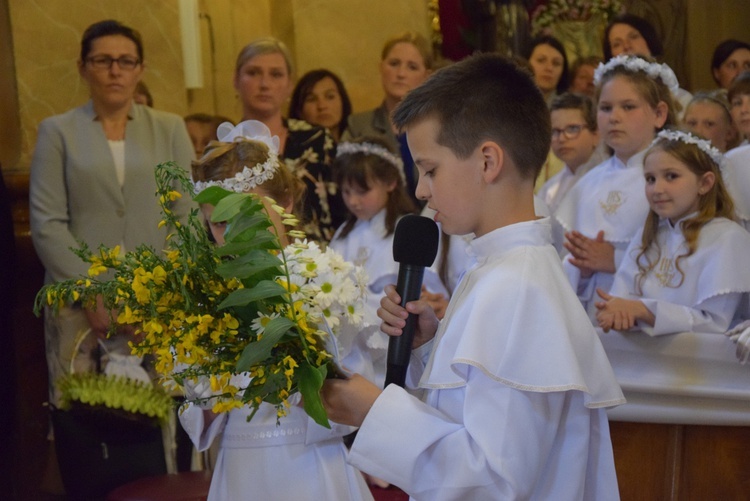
<point x="226" y="405"/>
<point x="173" y="255"/>
<point x="96" y="268"/>
<point x="290" y="287"/>
<point x="290" y="364"/>
<point x="215" y="383"/>
<point x="159" y="275"/>
<point x="323" y="356"/>
<point x="142" y="294"/>
<point x="174" y="195"/>
<point x="310" y="337"/>
<point x="126" y="316"/>
<point x="113" y="254"/>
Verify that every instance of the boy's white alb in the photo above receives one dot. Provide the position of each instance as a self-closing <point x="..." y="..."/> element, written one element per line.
<point x="249" y="177"/>
<point x="634" y="63"/>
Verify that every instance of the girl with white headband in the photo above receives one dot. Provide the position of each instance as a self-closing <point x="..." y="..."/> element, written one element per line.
<point x="599" y="216"/>
<point x="370" y="177"/>
<point x="688" y="267"/>
<point x="257" y="458"/>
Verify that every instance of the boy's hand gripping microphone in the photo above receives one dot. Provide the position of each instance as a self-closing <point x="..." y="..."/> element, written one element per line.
<point x="415" y="245"/>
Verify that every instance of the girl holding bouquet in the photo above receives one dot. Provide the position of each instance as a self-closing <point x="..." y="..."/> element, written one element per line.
<point x="266" y="457"/>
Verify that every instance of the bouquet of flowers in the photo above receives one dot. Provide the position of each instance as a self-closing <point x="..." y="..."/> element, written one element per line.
<point x="553" y="11"/>
<point x="209" y="313"/>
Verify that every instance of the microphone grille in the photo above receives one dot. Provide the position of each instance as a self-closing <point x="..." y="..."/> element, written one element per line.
<point x="415" y="241"/>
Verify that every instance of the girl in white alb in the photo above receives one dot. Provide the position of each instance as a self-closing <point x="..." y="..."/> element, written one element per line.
<point x="602" y="212"/>
<point x="373" y="190"/>
<point x="264" y="458"/>
<point x="688" y="267"/>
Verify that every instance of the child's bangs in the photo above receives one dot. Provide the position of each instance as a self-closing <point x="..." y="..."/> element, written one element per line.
<point x="356" y="173"/>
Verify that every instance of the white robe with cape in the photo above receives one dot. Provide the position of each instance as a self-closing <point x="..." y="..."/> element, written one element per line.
<point x="611" y="198"/>
<point x="706" y="295"/>
<point x="517" y="385"/>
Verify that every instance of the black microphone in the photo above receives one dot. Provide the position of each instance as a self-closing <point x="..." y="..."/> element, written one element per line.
<point x="415" y="245"/>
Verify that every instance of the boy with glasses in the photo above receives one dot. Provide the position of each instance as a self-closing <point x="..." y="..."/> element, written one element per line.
<point x="574" y="141"/>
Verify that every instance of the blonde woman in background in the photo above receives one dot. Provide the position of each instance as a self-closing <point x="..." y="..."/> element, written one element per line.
<point x="264" y="79"/>
<point x="405" y="62"/>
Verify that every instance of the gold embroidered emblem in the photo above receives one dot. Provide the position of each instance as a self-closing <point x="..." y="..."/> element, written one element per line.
<point x="363" y="254"/>
<point x="614" y="200"/>
<point x="665" y="272"/>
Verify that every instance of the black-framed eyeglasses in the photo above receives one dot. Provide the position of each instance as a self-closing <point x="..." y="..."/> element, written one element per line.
<point x="570" y="132"/>
<point x="105" y="62"/>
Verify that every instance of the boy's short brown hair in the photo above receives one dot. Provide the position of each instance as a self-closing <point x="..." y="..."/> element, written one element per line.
<point x="572" y="101"/>
<point x="483" y="97"/>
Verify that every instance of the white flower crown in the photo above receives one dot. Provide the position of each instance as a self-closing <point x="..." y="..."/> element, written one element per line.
<point x="703" y="144"/>
<point x="369" y="149"/>
<point x="635" y="63"/>
<point x="249" y="177"/>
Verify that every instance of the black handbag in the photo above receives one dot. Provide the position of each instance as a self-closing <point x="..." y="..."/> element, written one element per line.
<point x="99" y="449"/>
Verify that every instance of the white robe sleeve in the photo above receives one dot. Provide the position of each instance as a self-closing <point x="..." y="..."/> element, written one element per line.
<point x="712" y="316"/>
<point x="417" y="363"/>
<point x="201" y="433"/>
<point x="499" y="452"/>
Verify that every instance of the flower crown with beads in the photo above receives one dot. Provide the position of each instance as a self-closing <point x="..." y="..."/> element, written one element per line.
<point x="369" y="149"/>
<point x="635" y="63"/>
<point x="249" y="177"/>
<point x="703" y="144"/>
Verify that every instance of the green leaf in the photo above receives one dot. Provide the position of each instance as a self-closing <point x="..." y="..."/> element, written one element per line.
<point x="249" y="264"/>
<point x="274" y="382"/>
<point x="261" y="350"/>
<point x="231" y="205"/>
<point x="264" y="290"/>
<point x="260" y="241"/>
<point x="310" y="382"/>
<point x="244" y="227"/>
<point x="211" y="195"/>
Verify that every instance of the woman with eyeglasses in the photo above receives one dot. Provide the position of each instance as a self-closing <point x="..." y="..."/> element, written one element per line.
<point x="92" y="181"/>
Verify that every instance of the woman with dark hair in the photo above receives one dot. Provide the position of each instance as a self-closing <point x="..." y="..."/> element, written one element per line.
<point x="731" y="57"/>
<point x="320" y="98"/>
<point x="631" y="34"/>
<point x="92" y="181"/>
<point x="549" y="64"/>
